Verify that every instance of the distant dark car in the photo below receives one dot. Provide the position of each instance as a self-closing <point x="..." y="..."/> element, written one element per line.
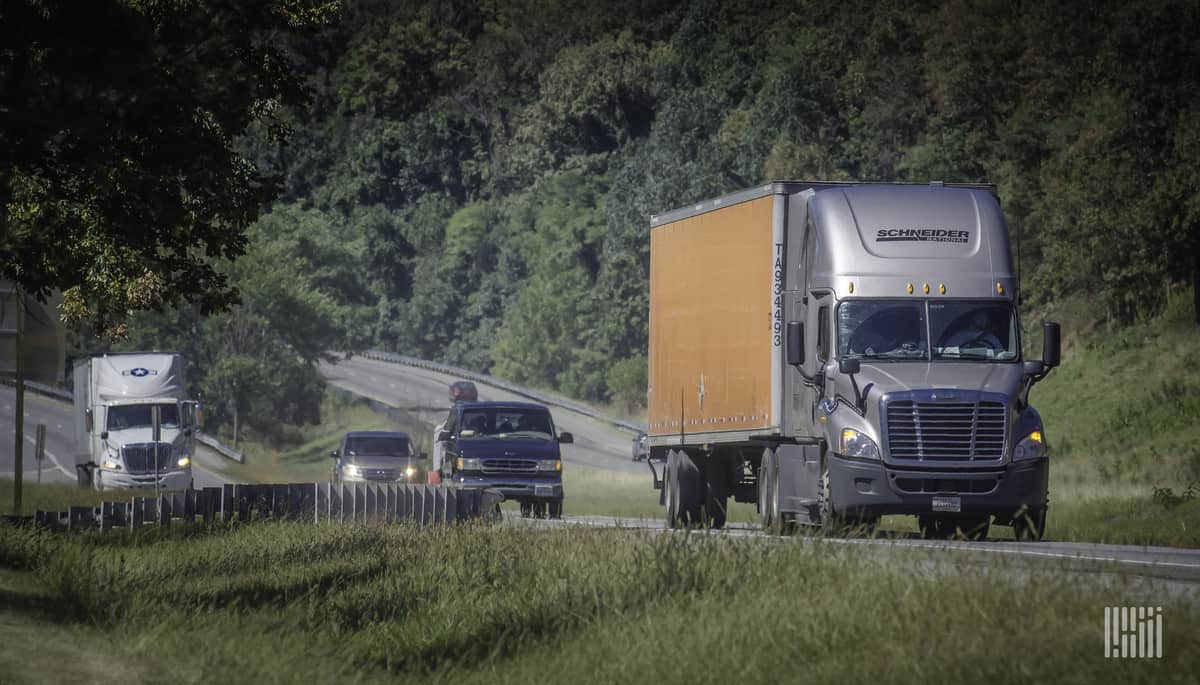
<point x="377" y="456"/>
<point x="463" y="391"/>
<point x="508" y="446"/>
<point x="640" y="450"/>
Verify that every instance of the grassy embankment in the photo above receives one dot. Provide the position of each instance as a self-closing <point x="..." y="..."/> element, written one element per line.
<point x="284" y="602"/>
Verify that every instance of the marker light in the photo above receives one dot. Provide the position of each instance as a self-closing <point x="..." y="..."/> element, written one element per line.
<point x="851" y="287"/>
<point x="942" y="288"/>
<point x="1036" y="436"/>
<point x="926" y="288"/>
<point x="910" y="289"/>
<point x="1000" y="288"/>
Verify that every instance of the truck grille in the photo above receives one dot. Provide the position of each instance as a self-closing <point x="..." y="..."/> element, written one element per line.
<point x="139" y="457"/>
<point x="509" y="465"/>
<point x="945" y="431"/>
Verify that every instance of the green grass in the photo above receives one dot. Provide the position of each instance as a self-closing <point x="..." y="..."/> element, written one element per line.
<point x="284" y="602"/>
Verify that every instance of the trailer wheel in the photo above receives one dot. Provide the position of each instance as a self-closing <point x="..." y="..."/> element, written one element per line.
<point x="684" y="495"/>
<point x="1030" y="526"/>
<point x="766" y="486"/>
<point x="716" y="482"/>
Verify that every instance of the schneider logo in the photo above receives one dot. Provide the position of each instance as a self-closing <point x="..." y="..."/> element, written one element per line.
<point x="1133" y="632"/>
<point x="921" y="235"/>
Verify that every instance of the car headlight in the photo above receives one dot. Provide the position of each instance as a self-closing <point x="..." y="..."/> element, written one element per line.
<point x="351" y="470"/>
<point x="549" y="465"/>
<point x="112" y="464"/>
<point x="858" y="445"/>
<point x="184" y="461"/>
<point x="469" y="464"/>
<point x="1031" y="446"/>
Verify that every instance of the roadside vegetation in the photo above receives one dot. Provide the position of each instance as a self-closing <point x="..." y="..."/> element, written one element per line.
<point x="281" y="602"/>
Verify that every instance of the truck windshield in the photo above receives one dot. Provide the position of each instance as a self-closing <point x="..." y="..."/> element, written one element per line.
<point x="893" y="329"/>
<point x="377" y="446"/>
<point x="882" y="329"/>
<point x="506" y="423"/>
<point x="972" y="330"/>
<point x="123" y="416"/>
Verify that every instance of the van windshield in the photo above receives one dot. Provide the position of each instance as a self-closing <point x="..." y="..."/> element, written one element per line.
<point x="903" y="329"/>
<point x="124" y="416"/>
<point x="506" y="423"/>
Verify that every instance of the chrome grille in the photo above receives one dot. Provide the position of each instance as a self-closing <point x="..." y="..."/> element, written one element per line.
<point x="945" y="431"/>
<point x="509" y="465"/>
<point x="139" y="457"/>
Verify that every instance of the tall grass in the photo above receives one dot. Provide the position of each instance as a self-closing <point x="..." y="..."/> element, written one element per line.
<point x="284" y="602"/>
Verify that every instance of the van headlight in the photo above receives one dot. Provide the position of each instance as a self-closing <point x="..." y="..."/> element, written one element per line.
<point x="469" y="464"/>
<point x="858" y="445"/>
<point x="409" y="472"/>
<point x="1032" y="446"/>
<point x="549" y="465"/>
<point x="351" y="470"/>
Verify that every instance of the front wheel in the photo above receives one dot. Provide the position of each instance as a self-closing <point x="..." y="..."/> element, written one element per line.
<point x="556" y="508"/>
<point x="1030" y="526"/>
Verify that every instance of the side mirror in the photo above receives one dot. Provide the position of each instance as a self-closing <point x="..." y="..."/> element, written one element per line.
<point x="442" y="436"/>
<point x="849" y="367"/>
<point x="104" y="435"/>
<point x="334" y="454"/>
<point x="795" y="343"/>
<point x="566" y="438"/>
<point x="1051" y="344"/>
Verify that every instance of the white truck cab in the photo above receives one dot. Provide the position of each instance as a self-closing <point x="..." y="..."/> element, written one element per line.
<point x="134" y="428"/>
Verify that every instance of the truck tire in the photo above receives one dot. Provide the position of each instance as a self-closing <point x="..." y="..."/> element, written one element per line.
<point x="1030" y="526"/>
<point x="716" y="486"/>
<point x="556" y="508"/>
<point x="83" y="476"/>
<point x="684" y="496"/>
<point x="766" y="486"/>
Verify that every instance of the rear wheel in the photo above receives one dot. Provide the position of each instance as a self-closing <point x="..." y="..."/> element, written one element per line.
<point x="716" y="493"/>
<point x="684" y="496"/>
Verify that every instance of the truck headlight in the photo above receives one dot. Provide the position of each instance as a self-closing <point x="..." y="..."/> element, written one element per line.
<point x="1031" y="446"/>
<point x="112" y="465"/>
<point x="858" y="445"/>
<point x="184" y="462"/>
<point x="469" y="464"/>
<point x="548" y="465"/>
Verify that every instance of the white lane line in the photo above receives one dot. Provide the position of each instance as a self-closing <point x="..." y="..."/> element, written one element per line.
<point x="53" y="458"/>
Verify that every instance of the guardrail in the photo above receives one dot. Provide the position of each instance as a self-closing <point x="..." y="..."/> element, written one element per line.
<point x="307" y="502"/>
<point x="467" y="374"/>
<point x="67" y="396"/>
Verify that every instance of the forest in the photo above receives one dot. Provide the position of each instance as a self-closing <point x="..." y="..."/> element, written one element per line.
<point x="471" y="182"/>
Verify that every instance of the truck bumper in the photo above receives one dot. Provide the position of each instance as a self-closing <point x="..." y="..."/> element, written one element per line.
<point x="167" y="480"/>
<point x="515" y="488"/>
<point x="872" y="488"/>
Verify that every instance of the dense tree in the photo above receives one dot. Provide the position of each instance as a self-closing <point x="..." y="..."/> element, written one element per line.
<point x="119" y="181"/>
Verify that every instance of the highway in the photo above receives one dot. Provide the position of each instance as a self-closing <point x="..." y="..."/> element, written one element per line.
<point x="59" y="466"/>
<point x="425" y="394"/>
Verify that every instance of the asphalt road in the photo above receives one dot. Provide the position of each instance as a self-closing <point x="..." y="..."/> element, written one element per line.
<point x="425" y="394"/>
<point x="59" y="466"/>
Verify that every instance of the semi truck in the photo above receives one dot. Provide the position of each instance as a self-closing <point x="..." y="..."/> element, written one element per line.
<point x="133" y="426"/>
<point x="835" y="352"/>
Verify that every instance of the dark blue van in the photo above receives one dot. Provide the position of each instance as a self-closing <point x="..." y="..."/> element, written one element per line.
<point x="509" y="446"/>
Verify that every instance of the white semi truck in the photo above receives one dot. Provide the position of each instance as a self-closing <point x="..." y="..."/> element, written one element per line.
<point x="133" y="426"/>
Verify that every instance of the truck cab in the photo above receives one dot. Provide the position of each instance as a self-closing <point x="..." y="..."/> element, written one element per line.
<point x="133" y="425"/>
<point x="507" y="446"/>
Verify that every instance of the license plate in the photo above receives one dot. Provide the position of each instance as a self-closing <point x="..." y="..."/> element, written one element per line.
<point x="543" y="491"/>
<point x="952" y="504"/>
